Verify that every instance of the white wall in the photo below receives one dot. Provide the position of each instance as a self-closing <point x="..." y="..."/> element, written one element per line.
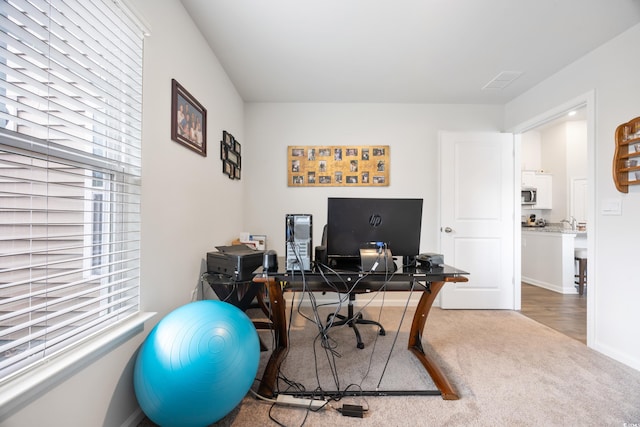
<point x="188" y="207"/>
<point x="576" y="146"/>
<point x="577" y="171"/>
<point x="554" y="161"/>
<point x="612" y="72"/>
<point x="410" y="130"/>
<point x="530" y="151"/>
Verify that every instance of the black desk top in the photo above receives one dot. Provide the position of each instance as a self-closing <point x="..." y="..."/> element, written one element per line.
<point x="328" y="279"/>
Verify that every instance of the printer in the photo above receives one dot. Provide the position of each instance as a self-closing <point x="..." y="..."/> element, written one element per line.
<point x="237" y="261"/>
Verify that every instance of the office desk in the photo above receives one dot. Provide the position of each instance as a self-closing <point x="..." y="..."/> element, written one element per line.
<point x="281" y="281"/>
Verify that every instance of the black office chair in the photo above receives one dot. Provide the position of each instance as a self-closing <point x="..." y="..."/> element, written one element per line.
<point x="350" y="319"/>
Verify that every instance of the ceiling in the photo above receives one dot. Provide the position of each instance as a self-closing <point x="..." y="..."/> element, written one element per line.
<point x="401" y="51"/>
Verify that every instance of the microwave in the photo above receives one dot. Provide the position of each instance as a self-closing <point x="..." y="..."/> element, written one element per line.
<point x="528" y="196"/>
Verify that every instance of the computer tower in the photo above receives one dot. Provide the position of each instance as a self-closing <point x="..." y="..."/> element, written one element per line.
<point x="298" y="240"/>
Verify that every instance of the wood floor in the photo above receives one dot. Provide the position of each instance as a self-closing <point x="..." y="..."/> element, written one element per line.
<point x="564" y="313"/>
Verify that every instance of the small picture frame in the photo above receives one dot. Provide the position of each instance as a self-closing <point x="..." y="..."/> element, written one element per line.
<point x="233" y="157"/>
<point x="227" y="139"/>
<point x="226" y="168"/>
<point x="230" y="154"/>
<point x="188" y="120"/>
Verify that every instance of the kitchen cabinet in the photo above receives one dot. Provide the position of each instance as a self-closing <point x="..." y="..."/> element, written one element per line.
<point x="528" y="179"/>
<point x="626" y="158"/>
<point x="543" y="182"/>
<point x="548" y="260"/>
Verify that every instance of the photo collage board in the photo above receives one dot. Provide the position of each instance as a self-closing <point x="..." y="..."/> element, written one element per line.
<point x="338" y="166"/>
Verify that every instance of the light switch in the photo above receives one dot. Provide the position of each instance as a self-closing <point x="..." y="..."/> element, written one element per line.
<point x="612" y="207"/>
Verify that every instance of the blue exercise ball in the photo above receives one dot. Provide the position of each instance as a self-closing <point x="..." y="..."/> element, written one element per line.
<point x="197" y="364"/>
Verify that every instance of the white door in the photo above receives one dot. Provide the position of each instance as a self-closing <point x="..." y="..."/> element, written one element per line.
<point x="477" y="210"/>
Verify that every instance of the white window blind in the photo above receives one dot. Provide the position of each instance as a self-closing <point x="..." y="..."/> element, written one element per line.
<point x="70" y="160"/>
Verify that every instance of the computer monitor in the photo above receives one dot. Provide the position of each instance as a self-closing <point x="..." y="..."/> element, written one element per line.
<point x="356" y="223"/>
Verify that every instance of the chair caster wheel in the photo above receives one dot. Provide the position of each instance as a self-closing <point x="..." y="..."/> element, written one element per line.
<point x="360" y="345"/>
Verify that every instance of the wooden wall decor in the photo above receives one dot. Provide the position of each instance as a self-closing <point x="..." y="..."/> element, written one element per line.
<point x="338" y="166"/>
<point x="626" y="170"/>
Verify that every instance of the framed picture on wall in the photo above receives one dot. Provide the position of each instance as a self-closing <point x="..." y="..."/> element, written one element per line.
<point x="230" y="154"/>
<point x="338" y="166"/>
<point x="227" y="139"/>
<point x="188" y="120"/>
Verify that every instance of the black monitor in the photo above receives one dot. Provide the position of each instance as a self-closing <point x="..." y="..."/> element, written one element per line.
<point x="356" y="223"/>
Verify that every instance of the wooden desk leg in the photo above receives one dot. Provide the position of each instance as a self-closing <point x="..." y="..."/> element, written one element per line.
<point x="262" y="305"/>
<point x="278" y="317"/>
<point x="415" y="342"/>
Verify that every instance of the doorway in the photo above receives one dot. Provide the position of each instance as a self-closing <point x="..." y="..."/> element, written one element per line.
<point x="573" y="196"/>
<point x="566" y="314"/>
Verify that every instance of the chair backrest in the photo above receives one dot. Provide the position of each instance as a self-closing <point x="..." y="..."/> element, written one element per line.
<point x="324" y="236"/>
<point x="321" y="250"/>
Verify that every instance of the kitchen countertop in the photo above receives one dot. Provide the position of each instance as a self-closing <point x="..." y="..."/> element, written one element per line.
<point x="553" y="228"/>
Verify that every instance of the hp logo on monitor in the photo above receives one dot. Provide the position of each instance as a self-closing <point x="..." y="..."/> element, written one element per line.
<point x="375" y="220"/>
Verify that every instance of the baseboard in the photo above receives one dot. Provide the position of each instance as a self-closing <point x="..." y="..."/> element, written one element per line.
<point x="545" y="285"/>
<point x="619" y="356"/>
<point x="134" y="419"/>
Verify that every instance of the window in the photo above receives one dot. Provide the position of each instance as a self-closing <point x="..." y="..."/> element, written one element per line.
<point x="70" y="133"/>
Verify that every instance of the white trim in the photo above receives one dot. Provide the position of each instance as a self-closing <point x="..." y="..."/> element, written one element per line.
<point x="584" y="100"/>
<point x="134" y="14"/>
<point x="19" y="389"/>
<point x="134" y="419"/>
<point x="517" y="230"/>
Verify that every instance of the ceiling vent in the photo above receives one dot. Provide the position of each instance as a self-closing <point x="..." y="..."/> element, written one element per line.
<point x="502" y="80"/>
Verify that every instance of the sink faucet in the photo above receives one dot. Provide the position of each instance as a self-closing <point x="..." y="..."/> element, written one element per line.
<point x="572" y="222"/>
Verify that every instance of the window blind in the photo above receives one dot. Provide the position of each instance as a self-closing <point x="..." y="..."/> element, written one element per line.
<point x="70" y="171"/>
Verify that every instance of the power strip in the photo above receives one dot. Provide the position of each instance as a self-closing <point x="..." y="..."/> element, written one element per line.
<point x="315" y="404"/>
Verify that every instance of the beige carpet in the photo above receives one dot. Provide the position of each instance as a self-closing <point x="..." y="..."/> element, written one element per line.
<point x="508" y="370"/>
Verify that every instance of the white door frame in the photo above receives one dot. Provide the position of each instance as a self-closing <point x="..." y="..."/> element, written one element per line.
<point x="586" y="100"/>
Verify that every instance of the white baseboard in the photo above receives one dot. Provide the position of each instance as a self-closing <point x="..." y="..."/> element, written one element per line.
<point x="134" y="419"/>
<point x="549" y="286"/>
<point x="615" y="354"/>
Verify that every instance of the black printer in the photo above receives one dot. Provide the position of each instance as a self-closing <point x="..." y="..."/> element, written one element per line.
<point x="237" y="261"/>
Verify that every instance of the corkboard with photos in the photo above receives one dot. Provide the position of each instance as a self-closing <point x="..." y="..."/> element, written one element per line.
<point x="338" y="166"/>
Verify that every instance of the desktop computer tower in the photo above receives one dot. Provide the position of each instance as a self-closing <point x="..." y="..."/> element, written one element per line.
<point x="298" y="238"/>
